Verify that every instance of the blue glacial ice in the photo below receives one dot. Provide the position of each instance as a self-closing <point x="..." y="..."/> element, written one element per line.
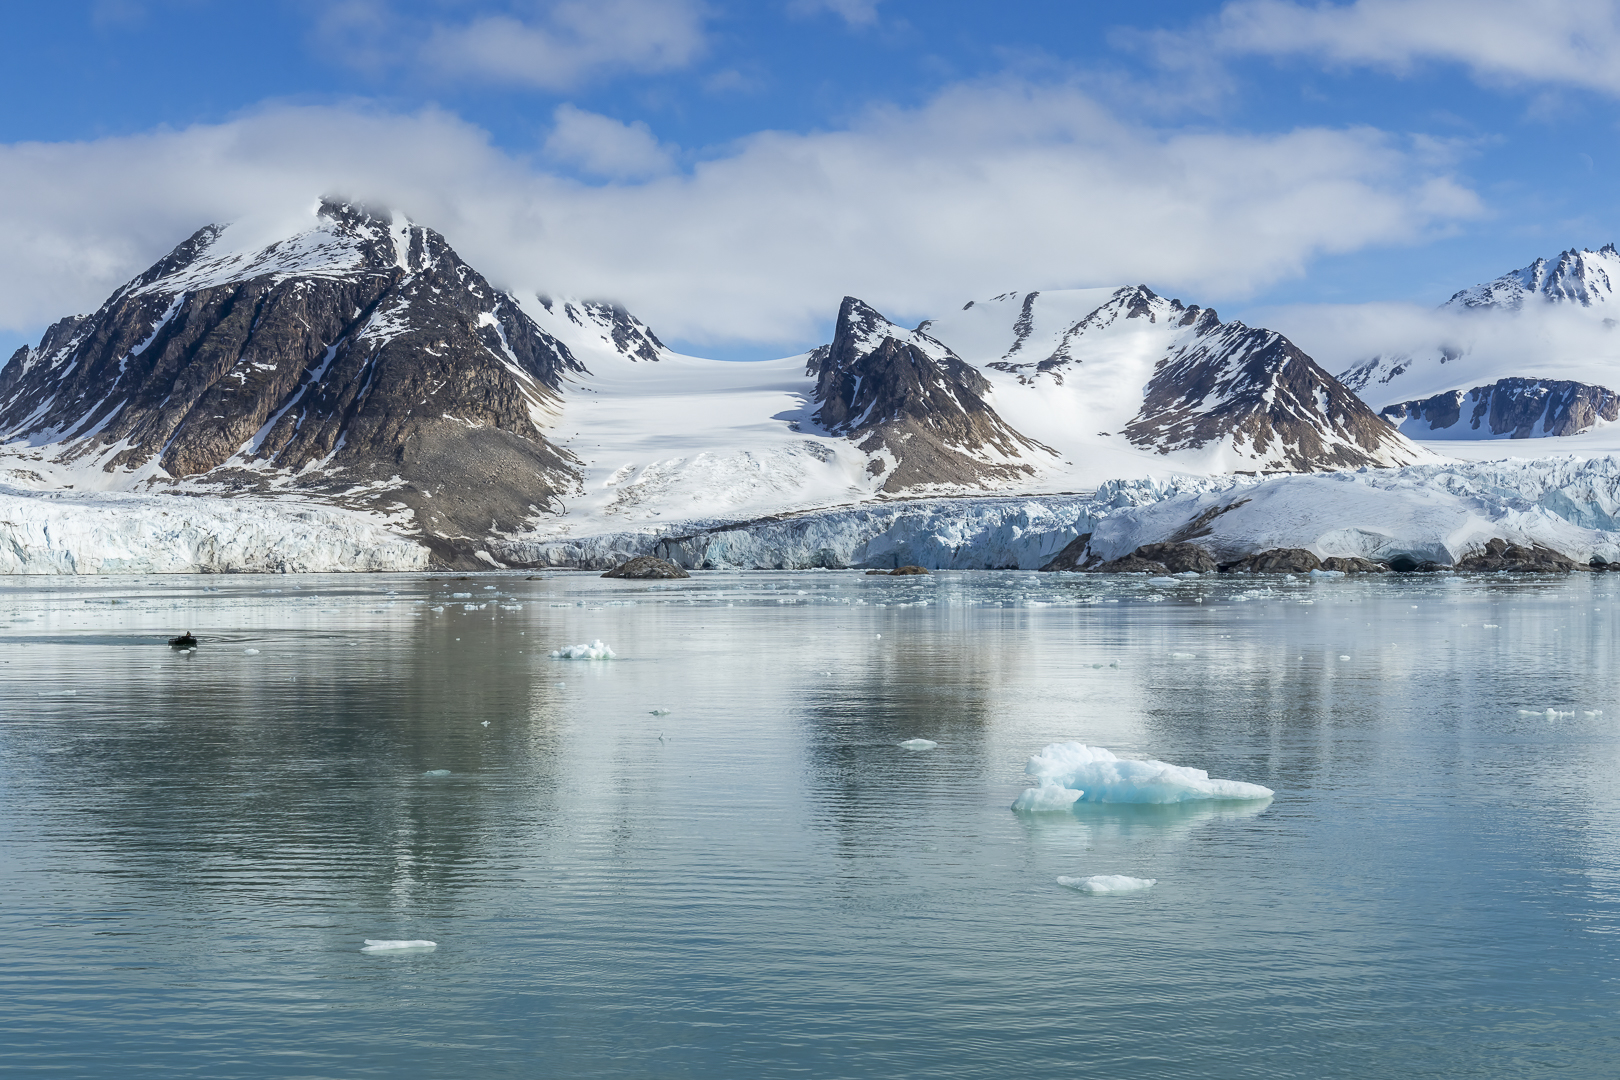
<point x="1074" y="772"/>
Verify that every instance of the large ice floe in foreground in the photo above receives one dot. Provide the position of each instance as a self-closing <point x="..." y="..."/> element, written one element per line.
<point x="1074" y="772"/>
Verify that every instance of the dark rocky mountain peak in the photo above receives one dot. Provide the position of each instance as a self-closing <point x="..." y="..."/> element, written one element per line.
<point x="1278" y="407"/>
<point x="360" y="358"/>
<point x="914" y="404"/>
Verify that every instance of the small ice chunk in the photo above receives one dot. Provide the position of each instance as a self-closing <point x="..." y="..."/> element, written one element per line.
<point x="1492" y="626"/>
<point x="437" y="772"/>
<point x="594" y="651"/>
<point x="1594" y="712"/>
<point x="461" y="596"/>
<point x="486" y="723"/>
<point x="1327" y="573"/>
<point x="1183" y="656"/>
<point x="1099" y="884"/>
<point x="1042" y="800"/>
<point x="1065" y="768"/>
<point x="919" y="744"/>
<point x="487" y="588"/>
<point x="1162" y="581"/>
<point x="250" y="652"/>
<point x="659" y="712"/>
<point x="57" y="693"/>
<point x="1342" y="657"/>
<point x="384" y="945"/>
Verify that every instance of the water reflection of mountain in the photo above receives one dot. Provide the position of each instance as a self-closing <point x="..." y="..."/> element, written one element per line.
<point x="302" y="772"/>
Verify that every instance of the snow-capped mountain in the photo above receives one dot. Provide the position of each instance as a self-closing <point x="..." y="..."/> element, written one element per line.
<point x="359" y="358"/>
<point x="1531" y="354"/>
<point x="1582" y="278"/>
<point x="360" y="363"/>
<point x="916" y="406"/>
<point x="1115" y="373"/>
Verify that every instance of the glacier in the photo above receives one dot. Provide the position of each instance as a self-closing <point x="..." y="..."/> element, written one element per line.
<point x="109" y="532"/>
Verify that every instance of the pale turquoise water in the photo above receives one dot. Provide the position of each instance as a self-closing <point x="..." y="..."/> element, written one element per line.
<point x="761" y="883"/>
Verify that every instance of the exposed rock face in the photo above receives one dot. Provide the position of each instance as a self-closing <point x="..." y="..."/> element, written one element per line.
<point x="1130" y="564"/>
<point x="1276" y="561"/>
<point x="1517" y="408"/>
<point x="902" y="394"/>
<point x="1501" y="555"/>
<point x="1074" y="556"/>
<point x="1178" y="558"/>
<point x="360" y="356"/>
<point x="1353" y="564"/>
<point x="646" y="566"/>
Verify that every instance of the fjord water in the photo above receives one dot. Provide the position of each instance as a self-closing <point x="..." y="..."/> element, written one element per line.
<point x="760" y="882"/>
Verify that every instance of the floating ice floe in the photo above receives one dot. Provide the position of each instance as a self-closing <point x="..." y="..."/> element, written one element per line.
<point x="1343" y="657"/>
<point x="383" y="945"/>
<point x="1183" y="656"/>
<point x="57" y="693"/>
<point x="594" y="651"/>
<point x="1098" y="884"/>
<point x="437" y="772"/>
<point x="1593" y="713"/>
<point x="1071" y="772"/>
<point x="919" y="744"/>
<point x="1327" y="573"/>
<point x="250" y="652"/>
<point x="1163" y="581"/>
<point x="659" y="712"/>
<point x="461" y="596"/>
<point x="1550" y="714"/>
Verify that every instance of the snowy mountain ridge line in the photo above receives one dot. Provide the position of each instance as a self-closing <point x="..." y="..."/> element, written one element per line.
<point x="1577" y="277"/>
<point x="1519" y="347"/>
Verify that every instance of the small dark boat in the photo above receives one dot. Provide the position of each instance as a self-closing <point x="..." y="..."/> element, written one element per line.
<point x="184" y="641"/>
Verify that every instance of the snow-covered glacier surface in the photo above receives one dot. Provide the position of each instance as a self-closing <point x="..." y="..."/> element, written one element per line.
<point x="1022" y="532"/>
<point x="1432" y="513"/>
<point x="1435" y="513"/>
<point x="125" y="533"/>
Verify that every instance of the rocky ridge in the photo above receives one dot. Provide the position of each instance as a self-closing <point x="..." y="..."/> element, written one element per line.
<point x="360" y="360"/>
<point x="905" y="398"/>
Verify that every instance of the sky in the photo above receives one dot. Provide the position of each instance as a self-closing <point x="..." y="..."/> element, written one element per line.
<point x="730" y="170"/>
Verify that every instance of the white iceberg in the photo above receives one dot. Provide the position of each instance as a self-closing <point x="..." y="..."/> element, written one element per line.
<point x="919" y="744"/>
<point x="1073" y="771"/>
<point x="594" y="651"/>
<point x="384" y="945"/>
<point x="1098" y="884"/>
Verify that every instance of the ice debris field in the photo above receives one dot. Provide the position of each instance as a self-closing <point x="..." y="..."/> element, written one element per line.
<point x="1074" y="772"/>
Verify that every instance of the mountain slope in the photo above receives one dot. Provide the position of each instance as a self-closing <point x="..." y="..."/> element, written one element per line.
<point x="1106" y="372"/>
<point x="902" y="395"/>
<point x="360" y="358"/>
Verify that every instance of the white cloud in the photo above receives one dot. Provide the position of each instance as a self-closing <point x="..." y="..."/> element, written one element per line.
<point x="548" y="44"/>
<point x="986" y="188"/>
<point x="854" y="12"/>
<point x="601" y="146"/>
<point x="1567" y="42"/>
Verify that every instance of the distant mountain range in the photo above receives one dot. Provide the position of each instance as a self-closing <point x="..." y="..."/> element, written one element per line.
<point x="1536" y="357"/>
<point x="362" y="363"/>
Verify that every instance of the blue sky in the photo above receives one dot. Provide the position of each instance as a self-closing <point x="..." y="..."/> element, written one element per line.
<point x="731" y="169"/>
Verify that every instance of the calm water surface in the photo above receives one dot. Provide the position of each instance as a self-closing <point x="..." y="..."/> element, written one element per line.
<point x="761" y="883"/>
